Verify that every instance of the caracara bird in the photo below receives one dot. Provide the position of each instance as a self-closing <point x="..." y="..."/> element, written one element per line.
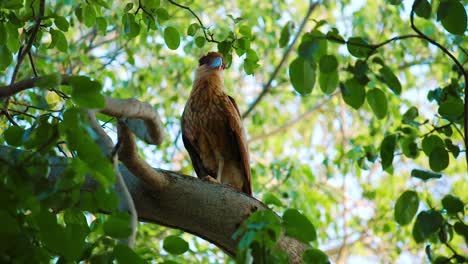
<point x="212" y="129"/>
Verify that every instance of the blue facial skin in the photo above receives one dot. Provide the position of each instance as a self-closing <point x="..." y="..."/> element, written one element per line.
<point x="217" y="62"/>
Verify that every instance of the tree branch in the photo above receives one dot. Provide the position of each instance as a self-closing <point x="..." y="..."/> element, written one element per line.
<point x="150" y="129"/>
<point x="292" y="122"/>
<point x="459" y="65"/>
<point x="288" y="50"/>
<point x="126" y="203"/>
<point x="128" y="154"/>
<point x="208" y="210"/>
<point x="9" y="90"/>
<point x="208" y="37"/>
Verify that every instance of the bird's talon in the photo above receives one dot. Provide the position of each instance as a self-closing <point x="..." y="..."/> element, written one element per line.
<point x="210" y="179"/>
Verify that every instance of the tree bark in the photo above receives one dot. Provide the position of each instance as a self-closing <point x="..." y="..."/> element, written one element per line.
<point x="208" y="210"/>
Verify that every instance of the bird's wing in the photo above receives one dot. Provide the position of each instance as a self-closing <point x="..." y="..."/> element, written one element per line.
<point x="193" y="150"/>
<point x="235" y="124"/>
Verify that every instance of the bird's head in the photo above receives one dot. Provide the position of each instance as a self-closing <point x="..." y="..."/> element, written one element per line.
<point x="212" y="61"/>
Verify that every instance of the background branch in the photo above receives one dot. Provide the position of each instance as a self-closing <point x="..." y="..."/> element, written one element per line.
<point x="288" y="50"/>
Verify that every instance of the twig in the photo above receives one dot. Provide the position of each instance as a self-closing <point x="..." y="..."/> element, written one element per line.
<point x="293" y="122"/>
<point x="26" y="50"/>
<point x="33" y="66"/>
<point x="22" y="53"/>
<point x="459" y="65"/>
<point x="288" y="50"/>
<point x="206" y="34"/>
<point x="126" y="195"/>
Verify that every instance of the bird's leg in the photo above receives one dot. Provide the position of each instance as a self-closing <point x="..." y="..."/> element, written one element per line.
<point x="220" y="168"/>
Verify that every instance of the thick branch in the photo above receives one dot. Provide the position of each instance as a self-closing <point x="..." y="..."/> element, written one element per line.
<point x="134" y="109"/>
<point x="207" y="210"/>
<point x="128" y="154"/>
<point x="9" y="90"/>
<point x="288" y="50"/>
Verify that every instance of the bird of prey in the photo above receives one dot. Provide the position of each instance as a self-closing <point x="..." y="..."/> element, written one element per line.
<point x="212" y="129"/>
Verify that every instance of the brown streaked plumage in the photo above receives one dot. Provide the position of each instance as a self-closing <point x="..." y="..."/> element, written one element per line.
<point x="212" y="128"/>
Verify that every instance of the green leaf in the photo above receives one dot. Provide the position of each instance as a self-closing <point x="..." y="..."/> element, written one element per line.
<point x="270" y="198"/>
<point x="353" y="93"/>
<point x="452" y="109"/>
<point x="106" y="200"/>
<point x="298" y="226"/>
<point x="387" y="149"/>
<point x="427" y="223"/>
<point x="328" y="64"/>
<point x="453" y="16"/>
<point x="453" y="204"/>
<point x="117" y="225"/>
<point x="5" y="57"/>
<point x="461" y="229"/>
<point x="302" y="75"/>
<point x="3" y="33"/>
<point x="49" y="81"/>
<point x="328" y="82"/>
<point x="14" y="135"/>
<point x="101" y="25"/>
<point x="315" y="256"/>
<point x="128" y="7"/>
<point x="409" y="147"/>
<point x="61" y="23"/>
<point x="224" y="47"/>
<point x="89" y="15"/>
<point x="162" y="15"/>
<point x="193" y="29"/>
<point x="86" y="92"/>
<point x="312" y="47"/>
<point x="13" y="41"/>
<point x="378" y="102"/>
<point x="286" y="34"/>
<point x="410" y="115"/>
<point x="172" y="38"/>
<point x="12" y="4"/>
<point x="423" y="9"/>
<point x="200" y="41"/>
<point x="390" y="79"/>
<point x="9" y="224"/>
<point x="452" y="148"/>
<point x="358" y="47"/>
<point x="175" y="245"/>
<point x="58" y="40"/>
<point x="425" y="175"/>
<point x="406" y="207"/>
<point x="79" y="13"/>
<point x="245" y="31"/>
<point x="124" y="254"/>
<point x="438" y="159"/>
<point x="131" y="28"/>
<point x="395" y="2"/>
<point x="430" y="142"/>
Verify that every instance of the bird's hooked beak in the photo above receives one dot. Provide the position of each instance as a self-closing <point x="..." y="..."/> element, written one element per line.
<point x="217" y="63"/>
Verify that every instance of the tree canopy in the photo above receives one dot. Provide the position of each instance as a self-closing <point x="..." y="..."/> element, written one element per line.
<point x="356" y="114"/>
